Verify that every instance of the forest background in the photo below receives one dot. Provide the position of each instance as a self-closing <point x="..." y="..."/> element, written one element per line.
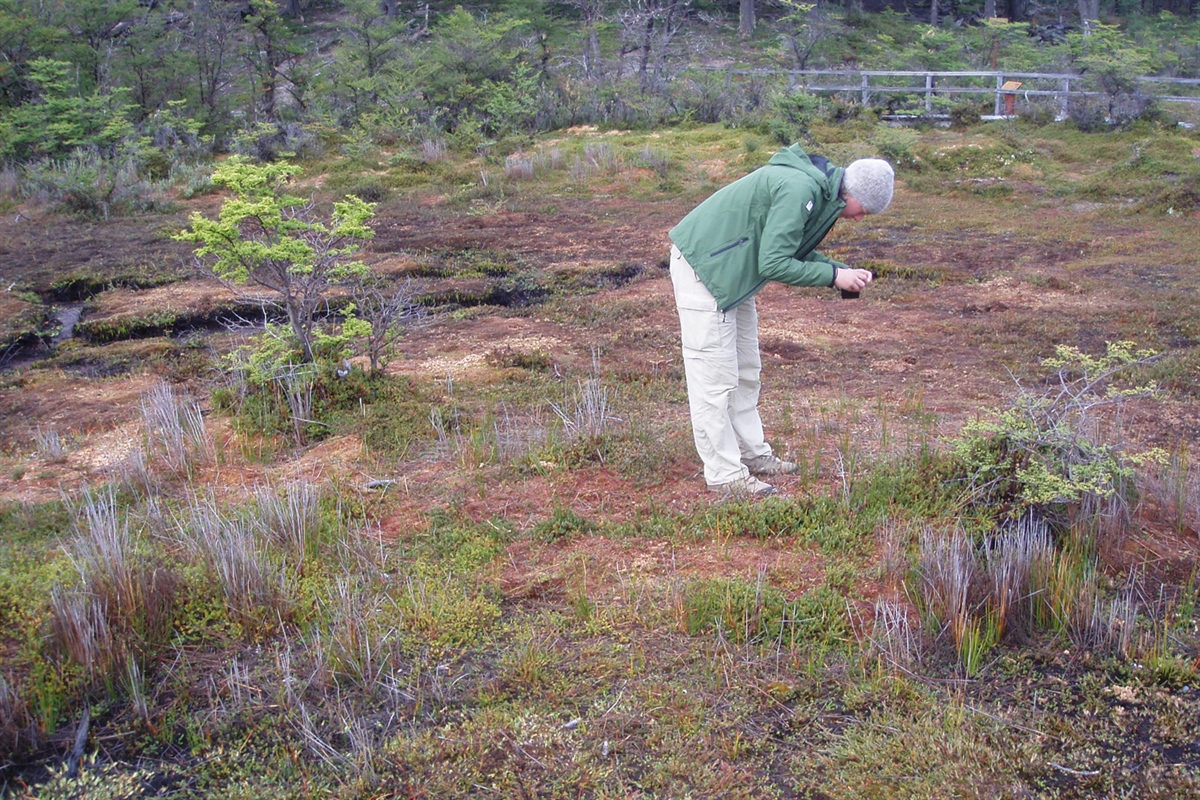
<point x="157" y="87"/>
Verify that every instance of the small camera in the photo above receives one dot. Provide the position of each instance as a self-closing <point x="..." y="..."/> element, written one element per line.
<point x="849" y="295"/>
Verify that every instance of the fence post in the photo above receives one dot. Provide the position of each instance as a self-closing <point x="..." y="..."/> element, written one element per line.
<point x="928" y="91"/>
<point x="999" y="83"/>
<point x="1064" y="106"/>
<point x="866" y="91"/>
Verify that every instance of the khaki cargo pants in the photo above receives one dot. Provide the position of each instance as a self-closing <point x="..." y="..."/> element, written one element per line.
<point x="722" y="365"/>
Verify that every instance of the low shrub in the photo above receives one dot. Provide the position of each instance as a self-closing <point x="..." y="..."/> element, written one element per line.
<point x="792" y="117"/>
<point x="88" y="183"/>
<point x="755" y="613"/>
<point x="1043" y="455"/>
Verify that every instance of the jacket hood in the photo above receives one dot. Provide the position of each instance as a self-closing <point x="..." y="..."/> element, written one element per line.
<point x="818" y="167"/>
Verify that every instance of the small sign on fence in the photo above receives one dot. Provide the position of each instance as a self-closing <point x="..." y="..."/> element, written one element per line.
<point x="1010" y="98"/>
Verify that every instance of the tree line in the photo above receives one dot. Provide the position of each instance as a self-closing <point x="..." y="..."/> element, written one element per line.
<point x="267" y="75"/>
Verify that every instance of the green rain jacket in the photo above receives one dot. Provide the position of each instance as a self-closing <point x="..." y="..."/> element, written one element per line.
<point x="765" y="227"/>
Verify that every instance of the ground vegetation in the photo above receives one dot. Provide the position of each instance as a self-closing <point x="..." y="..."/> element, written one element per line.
<point x="466" y="550"/>
<point x="490" y="562"/>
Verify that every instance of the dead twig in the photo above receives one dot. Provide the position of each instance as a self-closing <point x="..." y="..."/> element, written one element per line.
<point x="1083" y="773"/>
<point x="80" y="742"/>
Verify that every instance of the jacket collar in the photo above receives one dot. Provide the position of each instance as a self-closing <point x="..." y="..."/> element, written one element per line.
<point x="818" y="168"/>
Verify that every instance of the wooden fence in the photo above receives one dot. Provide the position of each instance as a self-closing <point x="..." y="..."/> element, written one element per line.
<point x="1007" y="87"/>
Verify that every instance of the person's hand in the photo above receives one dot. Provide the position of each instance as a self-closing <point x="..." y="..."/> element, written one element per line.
<point x="852" y="280"/>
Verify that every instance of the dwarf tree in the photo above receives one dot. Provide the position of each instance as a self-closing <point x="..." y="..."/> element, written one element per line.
<point x="267" y="238"/>
<point x="1045" y="455"/>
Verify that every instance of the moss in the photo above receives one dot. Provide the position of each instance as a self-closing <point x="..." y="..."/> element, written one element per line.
<point x="23" y="321"/>
<point x="128" y="326"/>
<point x="81" y="285"/>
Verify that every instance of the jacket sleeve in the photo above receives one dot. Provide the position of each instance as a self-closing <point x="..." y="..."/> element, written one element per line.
<point x="820" y="258"/>
<point x="791" y="204"/>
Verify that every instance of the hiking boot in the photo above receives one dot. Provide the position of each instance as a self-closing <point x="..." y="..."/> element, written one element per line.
<point x="746" y="488"/>
<point x="771" y="465"/>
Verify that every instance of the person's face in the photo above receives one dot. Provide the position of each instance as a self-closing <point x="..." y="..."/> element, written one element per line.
<point x="853" y="210"/>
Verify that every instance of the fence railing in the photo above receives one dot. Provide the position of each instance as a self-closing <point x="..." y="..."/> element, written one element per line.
<point x="1005" y="86"/>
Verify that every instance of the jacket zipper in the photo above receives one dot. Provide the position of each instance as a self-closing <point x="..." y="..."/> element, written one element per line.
<point x="810" y="244"/>
<point x="729" y="247"/>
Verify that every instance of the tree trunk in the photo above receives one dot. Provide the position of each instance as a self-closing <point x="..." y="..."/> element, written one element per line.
<point x="593" y="16"/>
<point x="746" y="23"/>
<point x="933" y="12"/>
<point x="593" y="67"/>
<point x="647" y="44"/>
<point x="593" y="63"/>
<point x="989" y="9"/>
<point x="668" y="28"/>
<point x="649" y="26"/>
<point x="1089" y="12"/>
<point x="269" y="83"/>
<point x="210" y="41"/>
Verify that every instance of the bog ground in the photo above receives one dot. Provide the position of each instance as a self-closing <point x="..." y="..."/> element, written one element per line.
<point x="542" y="604"/>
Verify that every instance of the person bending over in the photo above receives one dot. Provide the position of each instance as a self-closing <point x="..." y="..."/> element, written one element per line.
<point x="763" y="227"/>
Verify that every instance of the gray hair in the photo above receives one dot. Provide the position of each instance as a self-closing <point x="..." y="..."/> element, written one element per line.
<point x="870" y="181"/>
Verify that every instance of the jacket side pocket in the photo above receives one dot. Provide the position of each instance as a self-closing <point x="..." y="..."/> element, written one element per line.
<point x="725" y="248"/>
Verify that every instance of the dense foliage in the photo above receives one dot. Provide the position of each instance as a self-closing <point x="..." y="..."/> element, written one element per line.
<point x="156" y="81"/>
<point x="278" y="242"/>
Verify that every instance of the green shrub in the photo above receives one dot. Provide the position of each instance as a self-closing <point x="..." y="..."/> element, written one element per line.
<point x="1042" y="455"/>
<point x="563" y="523"/>
<point x="739" y="611"/>
<point x="989" y="160"/>
<point x="820" y="617"/>
<point x="966" y="113"/>
<point x="1111" y="65"/>
<point x="793" y="114"/>
<point x="454" y="541"/>
<point x="91" y="184"/>
<point x="116" y="328"/>
<point x="280" y="242"/>
<point x="756" y="613"/>
<point x="704" y="97"/>
<point x="394" y="421"/>
<point x="363" y="185"/>
<point x="896" y="144"/>
<point x="95" y="780"/>
<point x="64" y="120"/>
<point x="444" y="614"/>
<point x="272" y="390"/>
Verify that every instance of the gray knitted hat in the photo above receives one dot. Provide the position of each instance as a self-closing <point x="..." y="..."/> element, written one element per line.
<point x="870" y="182"/>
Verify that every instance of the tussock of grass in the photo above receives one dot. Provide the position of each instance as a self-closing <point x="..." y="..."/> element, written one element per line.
<point x="122" y="607"/>
<point x="176" y="434"/>
<point x="258" y="590"/>
<point x="289" y="516"/>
